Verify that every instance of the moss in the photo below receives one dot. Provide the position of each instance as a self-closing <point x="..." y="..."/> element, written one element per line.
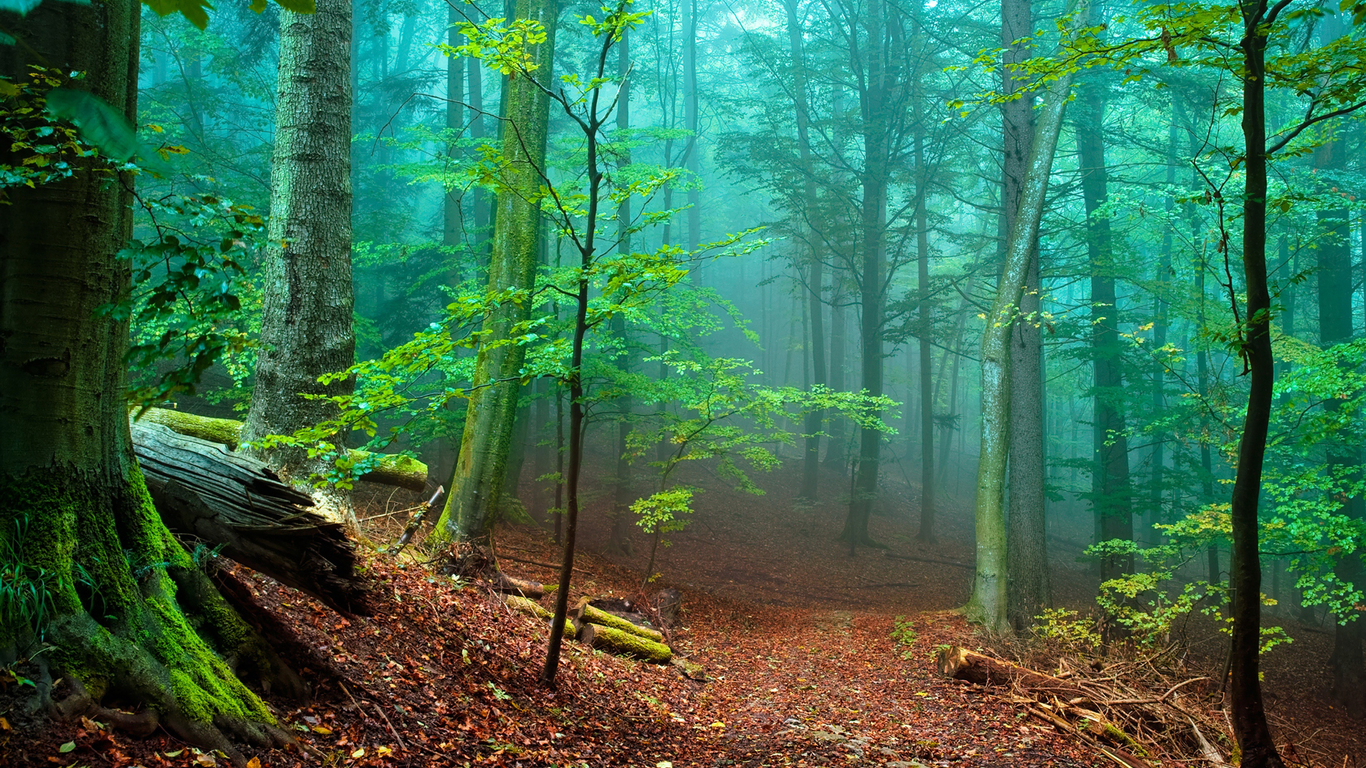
<point x="602" y="618"/>
<point x="225" y="431"/>
<point x="527" y="606"/>
<point x="113" y="552"/>
<point x="615" y="640"/>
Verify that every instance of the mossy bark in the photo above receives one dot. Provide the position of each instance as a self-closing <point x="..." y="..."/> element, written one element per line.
<point x="625" y="643"/>
<point x="477" y="485"/>
<point x="76" y="524"/>
<point x="402" y="471"/>
<point x="587" y="614"/>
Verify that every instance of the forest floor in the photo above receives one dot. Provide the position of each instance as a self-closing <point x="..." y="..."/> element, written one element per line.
<point x="807" y="657"/>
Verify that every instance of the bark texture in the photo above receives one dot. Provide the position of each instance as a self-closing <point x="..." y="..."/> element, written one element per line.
<point x="72" y="500"/>
<point x="477" y="485"/>
<point x="988" y="602"/>
<point x="306" y="322"/>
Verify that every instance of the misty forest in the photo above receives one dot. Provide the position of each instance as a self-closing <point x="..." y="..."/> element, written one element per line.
<point x="683" y="383"/>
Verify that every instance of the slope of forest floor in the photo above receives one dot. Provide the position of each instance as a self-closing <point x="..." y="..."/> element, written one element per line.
<point x="810" y="658"/>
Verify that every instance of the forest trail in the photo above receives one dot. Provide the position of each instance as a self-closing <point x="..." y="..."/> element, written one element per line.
<point x="798" y="655"/>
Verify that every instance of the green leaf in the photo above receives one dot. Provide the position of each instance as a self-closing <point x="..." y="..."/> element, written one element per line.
<point x="100" y="124"/>
<point x="67" y="747"/>
<point x="21" y="7"/>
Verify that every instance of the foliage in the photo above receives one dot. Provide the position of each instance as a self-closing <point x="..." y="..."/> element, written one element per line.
<point x="186" y="307"/>
<point x="1067" y="628"/>
<point x="904" y="636"/>
<point x="44" y="143"/>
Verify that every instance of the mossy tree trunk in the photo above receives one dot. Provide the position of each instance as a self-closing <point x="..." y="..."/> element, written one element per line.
<point x="988" y="603"/>
<point x="306" y="326"/>
<point x="470" y="508"/>
<point x="126" y="612"/>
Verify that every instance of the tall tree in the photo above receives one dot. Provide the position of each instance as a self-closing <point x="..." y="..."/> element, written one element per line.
<point x="306" y="322"/>
<point x="988" y="602"/>
<point x="815" y="274"/>
<point x="1334" y="276"/>
<point x="74" y="507"/>
<point x="1111" y="496"/>
<point x="477" y="486"/>
<point x="1027" y="550"/>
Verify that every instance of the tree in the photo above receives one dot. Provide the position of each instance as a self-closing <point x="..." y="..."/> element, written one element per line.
<point x="118" y="608"/>
<point x="988" y="602"/>
<point x="306" y="324"/>
<point x="1026" y="539"/>
<point x="477" y="486"/>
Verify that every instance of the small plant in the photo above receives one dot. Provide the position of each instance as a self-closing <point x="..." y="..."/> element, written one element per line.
<point x="1068" y="629"/>
<point x="904" y="635"/>
<point x="26" y="590"/>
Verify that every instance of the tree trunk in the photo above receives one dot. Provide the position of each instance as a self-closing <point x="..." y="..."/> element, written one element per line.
<point x="306" y="320"/>
<point x="1245" y="572"/>
<point x="836" y="447"/>
<point x="471" y="507"/>
<point x="1027" y="548"/>
<point x="815" y="278"/>
<point x="692" y="155"/>
<point x="1335" y="326"/>
<point x="1111" y="495"/>
<point x="988" y="603"/>
<point x="620" y="541"/>
<point x="873" y="97"/>
<point x="126" y="614"/>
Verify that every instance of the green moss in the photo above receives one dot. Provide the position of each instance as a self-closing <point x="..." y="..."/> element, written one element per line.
<point x="602" y="618"/>
<point x="527" y="606"/>
<point x="624" y="642"/>
<point x="225" y="431"/>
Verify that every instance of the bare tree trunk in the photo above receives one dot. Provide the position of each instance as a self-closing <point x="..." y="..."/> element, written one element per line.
<point x="306" y="321"/>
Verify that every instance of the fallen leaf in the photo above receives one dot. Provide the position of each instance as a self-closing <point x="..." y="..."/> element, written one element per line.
<point x="358" y="754"/>
<point x="67" y="747"/>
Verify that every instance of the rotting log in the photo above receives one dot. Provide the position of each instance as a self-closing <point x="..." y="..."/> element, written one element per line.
<point x="402" y="471"/>
<point x="205" y="490"/>
<point x="624" y="643"/>
<point x="527" y="606"/>
<point x="962" y="664"/>
<point x="585" y="614"/>
<point x="502" y="582"/>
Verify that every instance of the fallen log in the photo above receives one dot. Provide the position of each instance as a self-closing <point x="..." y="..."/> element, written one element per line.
<point x="402" y="471"/>
<point x="527" y="606"/>
<point x="624" y="643"/>
<point x="962" y="664"/>
<point x="585" y="614"/>
<point x="205" y="490"/>
<point x="515" y="586"/>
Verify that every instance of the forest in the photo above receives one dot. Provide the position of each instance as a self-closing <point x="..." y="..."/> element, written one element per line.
<point x="683" y="383"/>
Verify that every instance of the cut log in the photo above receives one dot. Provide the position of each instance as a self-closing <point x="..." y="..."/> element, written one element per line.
<point x="515" y="586"/>
<point x="202" y="489"/>
<point x="963" y="664"/>
<point x="622" y="643"/>
<point x="584" y="614"/>
<point x="402" y="471"/>
<point x="527" y="606"/>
